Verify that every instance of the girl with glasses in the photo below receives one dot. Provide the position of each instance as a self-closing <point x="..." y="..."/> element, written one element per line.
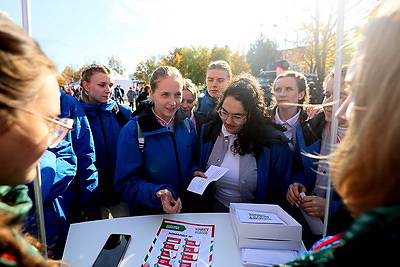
<point x="29" y="106"/>
<point x="243" y="139"/>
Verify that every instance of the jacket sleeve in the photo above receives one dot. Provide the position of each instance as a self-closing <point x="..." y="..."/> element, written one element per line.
<point x="299" y="173"/>
<point x="57" y="168"/>
<point x="129" y="180"/>
<point x="87" y="175"/>
<point x="126" y="111"/>
<point x="282" y="158"/>
<point x="195" y="162"/>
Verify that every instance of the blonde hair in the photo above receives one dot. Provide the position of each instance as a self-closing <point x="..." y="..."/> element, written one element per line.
<point x="191" y="87"/>
<point x="22" y="67"/>
<point x="366" y="166"/>
<point x="163" y="72"/>
<point x="87" y="73"/>
<point x="220" y="65"/>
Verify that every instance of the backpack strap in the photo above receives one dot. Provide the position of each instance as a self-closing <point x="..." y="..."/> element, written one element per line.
<point x="119" y="116"/>
<point x="141" y="139"/>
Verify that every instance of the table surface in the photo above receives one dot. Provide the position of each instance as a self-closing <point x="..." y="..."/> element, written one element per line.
<point x="85" y="240"/>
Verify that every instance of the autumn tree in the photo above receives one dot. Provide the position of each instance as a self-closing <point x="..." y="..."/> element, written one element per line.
<point x="221" y="53"/>
<point x="239" y="64"/>
<point x="192" y="62"/>
<point x="70" y="74"/>
<point x="116" y="65"/>
<point x="315" y="50"/>
<point x="145" y="68"/>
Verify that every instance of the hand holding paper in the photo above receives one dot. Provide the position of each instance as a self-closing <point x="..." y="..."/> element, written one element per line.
<point x="315" y="224"/>
<point x="199" y="184"/>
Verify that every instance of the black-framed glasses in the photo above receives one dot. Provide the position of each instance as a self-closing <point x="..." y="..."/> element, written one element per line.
<point x="57" y="131"/>
<point x="236" y="118"/>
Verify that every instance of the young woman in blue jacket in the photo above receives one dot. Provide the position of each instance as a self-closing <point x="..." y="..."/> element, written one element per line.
<point x="311" y="175"/>
<point x="156" y="150"/>
<point x="243" y="139"/>
<point x="106" y="119"/>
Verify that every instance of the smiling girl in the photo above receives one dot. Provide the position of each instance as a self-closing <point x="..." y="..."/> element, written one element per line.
<point x="156" y="148"/>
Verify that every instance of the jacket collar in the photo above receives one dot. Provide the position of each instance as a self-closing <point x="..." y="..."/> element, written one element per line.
<point x="312" y="129"/>
<point x="148" y="122"/>
<point x="94" y="107"/>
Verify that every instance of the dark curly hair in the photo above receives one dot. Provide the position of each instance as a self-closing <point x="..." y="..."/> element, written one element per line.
<point x="245" y="89"/>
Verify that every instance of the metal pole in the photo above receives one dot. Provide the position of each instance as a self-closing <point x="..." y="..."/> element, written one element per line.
<point x="37" y="183"/>
<point x="37" y="186"/>
<point x="26" y="16"/>
<point x="336" y="97"/>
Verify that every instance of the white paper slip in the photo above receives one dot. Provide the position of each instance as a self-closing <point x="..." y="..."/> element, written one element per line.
<point x="316" y="225"/>
<point x="249" y="216"/>
<point x="267" y="257"/>
<point x="199" y="184"/>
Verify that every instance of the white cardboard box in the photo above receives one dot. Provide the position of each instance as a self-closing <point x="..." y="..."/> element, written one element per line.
<point x="291" y="231"/>
<point x="265" y="243"/>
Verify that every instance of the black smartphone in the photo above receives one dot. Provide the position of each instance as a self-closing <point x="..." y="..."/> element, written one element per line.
<point x="113" y="250"/>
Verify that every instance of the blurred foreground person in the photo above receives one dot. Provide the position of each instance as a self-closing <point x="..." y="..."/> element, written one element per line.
<point x="29" y="106"/>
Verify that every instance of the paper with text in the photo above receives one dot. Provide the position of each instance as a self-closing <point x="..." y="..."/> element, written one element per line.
<point x="249" y="216"/>
<point x="199" y="184"/>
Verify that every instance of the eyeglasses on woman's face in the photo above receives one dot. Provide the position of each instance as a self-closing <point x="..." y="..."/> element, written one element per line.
<point x="237" y="118"/>
<point x="58" y="128"/>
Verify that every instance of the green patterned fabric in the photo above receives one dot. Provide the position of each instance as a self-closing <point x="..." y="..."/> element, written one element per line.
<point x="15" y="202"/>
<point x="373" y="239"/>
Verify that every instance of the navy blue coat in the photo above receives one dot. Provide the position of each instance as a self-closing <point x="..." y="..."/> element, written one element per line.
<point x="165" y="163"/>
<point x="106" y="127"/>
<point x="82" y="196"/>
<point x="207" y="104"/>
<point x="308" y="141"/>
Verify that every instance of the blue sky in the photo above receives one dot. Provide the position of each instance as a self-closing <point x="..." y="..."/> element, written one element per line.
<point x="78" y="32"/>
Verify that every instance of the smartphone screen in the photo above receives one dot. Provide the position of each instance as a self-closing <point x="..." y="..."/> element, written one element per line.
<point x="113" y="250"/>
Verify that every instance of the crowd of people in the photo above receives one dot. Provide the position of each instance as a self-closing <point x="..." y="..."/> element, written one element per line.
<point x="102" y="159"/>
